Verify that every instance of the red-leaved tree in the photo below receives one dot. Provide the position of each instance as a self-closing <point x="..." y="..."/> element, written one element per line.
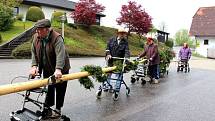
<point x="135" y="19"/>
<point x="85" y="12"/>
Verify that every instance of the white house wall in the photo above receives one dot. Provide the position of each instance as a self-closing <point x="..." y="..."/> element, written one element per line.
<point x="203" y="49"/>
<point x="23" y="10"/>
<point x="47" y="11"/>
<point x="68" y="15"/>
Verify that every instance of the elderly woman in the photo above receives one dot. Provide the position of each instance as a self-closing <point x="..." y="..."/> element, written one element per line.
<point x="151" y="53"/>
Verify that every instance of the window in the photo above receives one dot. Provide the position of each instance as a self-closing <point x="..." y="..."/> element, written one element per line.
<point x="15" y="11"/>
<point x="206" y="42"/>
<point x="97" y="20"/>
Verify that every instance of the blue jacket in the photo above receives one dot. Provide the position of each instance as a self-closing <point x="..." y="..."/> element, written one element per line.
<point x="118" y="50"/>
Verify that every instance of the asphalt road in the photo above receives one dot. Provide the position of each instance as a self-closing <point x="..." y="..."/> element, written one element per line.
<point x="178" y="96"/>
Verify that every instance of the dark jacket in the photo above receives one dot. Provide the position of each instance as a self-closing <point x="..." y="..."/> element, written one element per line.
<point x="151" y="51"/>
<point x="55" y="53"/>
<point x="118" y="50"/>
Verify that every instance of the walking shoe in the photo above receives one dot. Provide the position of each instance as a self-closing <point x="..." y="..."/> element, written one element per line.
<point x="56" y="114"/>
<point x="46" y="113"/>
<point x="155" y="81"/>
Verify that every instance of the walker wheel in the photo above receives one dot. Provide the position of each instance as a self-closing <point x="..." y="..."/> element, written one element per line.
<point x="133" y="80"/>
<point x="143" y="82"/>
<point x="65" y="118"/>
<point x="116" y="96"/>
<point x="98" y="94"/>
<point x="178" y="69"/>
<point x="128" y="91"/>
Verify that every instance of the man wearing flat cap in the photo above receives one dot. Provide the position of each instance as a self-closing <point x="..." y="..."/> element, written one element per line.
<point x="117" y="47"/>
<point x="151" y="53"/>
<point x="49" y="57"/>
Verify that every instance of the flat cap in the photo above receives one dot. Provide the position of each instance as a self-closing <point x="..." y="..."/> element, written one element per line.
<point x="44" y="23"/>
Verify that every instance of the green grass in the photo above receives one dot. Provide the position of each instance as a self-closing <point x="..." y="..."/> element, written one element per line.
<point x="101" y="42"/>
<point x="86" y="41"/>
<point x="73" y="42"/>
<point x="17" y="28"/>
<point x="197" y="55"/>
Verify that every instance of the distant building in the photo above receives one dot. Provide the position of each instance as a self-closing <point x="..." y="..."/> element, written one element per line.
<point x="50" y="6"/>
<point x="203" y="30"/>
<point x="161" y="36"/>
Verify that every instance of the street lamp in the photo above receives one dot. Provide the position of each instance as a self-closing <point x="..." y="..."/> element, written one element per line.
<point x="63" y="19"/>
<point x="23" y="20"/>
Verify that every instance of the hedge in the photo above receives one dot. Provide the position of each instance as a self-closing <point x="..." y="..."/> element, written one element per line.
<point x="34" y="14"/>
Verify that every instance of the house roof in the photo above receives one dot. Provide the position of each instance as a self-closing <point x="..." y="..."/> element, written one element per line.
<point x="203" y="23"/>
<point x="162" y="32"/>
<point x="63" y="4"/>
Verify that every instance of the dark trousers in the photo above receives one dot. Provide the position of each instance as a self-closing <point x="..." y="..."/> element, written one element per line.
<point x="60" y="90"/>
<point x="153" y="71"/>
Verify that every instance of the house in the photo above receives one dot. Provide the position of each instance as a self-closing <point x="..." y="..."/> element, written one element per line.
<point x="203" y="30"/>
<point x="161" y="36"/>
<point x="50" y="6"/>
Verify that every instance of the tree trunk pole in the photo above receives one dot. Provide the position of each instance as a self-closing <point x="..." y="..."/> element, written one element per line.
<point x="22" y="86"/>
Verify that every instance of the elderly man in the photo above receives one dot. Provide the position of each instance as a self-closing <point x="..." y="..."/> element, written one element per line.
<point x="117" y="47"/>
<point x="151" y="53"/>
<point x="49" y="58"/>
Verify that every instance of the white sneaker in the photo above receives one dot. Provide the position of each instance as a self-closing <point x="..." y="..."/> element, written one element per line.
<point x="155" y="81"/>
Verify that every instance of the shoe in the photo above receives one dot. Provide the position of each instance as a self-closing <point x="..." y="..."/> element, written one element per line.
<point x="46" y="113"/>
<point x="155" y="81"/>
<point x="56" y="114"/>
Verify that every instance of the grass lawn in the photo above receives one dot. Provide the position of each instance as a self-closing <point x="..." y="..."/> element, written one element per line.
<point x="15" y="30"/>
<point x="197" y="55"/>
<point x="84" y="41"/>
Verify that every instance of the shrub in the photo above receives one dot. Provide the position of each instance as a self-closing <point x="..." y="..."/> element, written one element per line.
<point x="19" y="17"/>
<point x="6" y="17"/>
<point x="0" y="38"/>
<point x="34" y="14"/>
<point x="56" y="19"/>
<point x="169" y="43"/>
<point x="23" y="51"/>
<point x="72" y="25"/>
<point x="56" y="16"/>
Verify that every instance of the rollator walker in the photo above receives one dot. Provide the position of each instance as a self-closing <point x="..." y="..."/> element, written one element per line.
<point x="141" y="72"/>
<point x="27" y="114"/>
<point x="114" y="82"/>
<point x="183" y="65"/>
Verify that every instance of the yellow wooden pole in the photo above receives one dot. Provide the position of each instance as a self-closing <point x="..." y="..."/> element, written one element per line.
<point x="22" y="86"/>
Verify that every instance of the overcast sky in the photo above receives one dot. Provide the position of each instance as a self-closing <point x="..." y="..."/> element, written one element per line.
<point x="176" y="14"/>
